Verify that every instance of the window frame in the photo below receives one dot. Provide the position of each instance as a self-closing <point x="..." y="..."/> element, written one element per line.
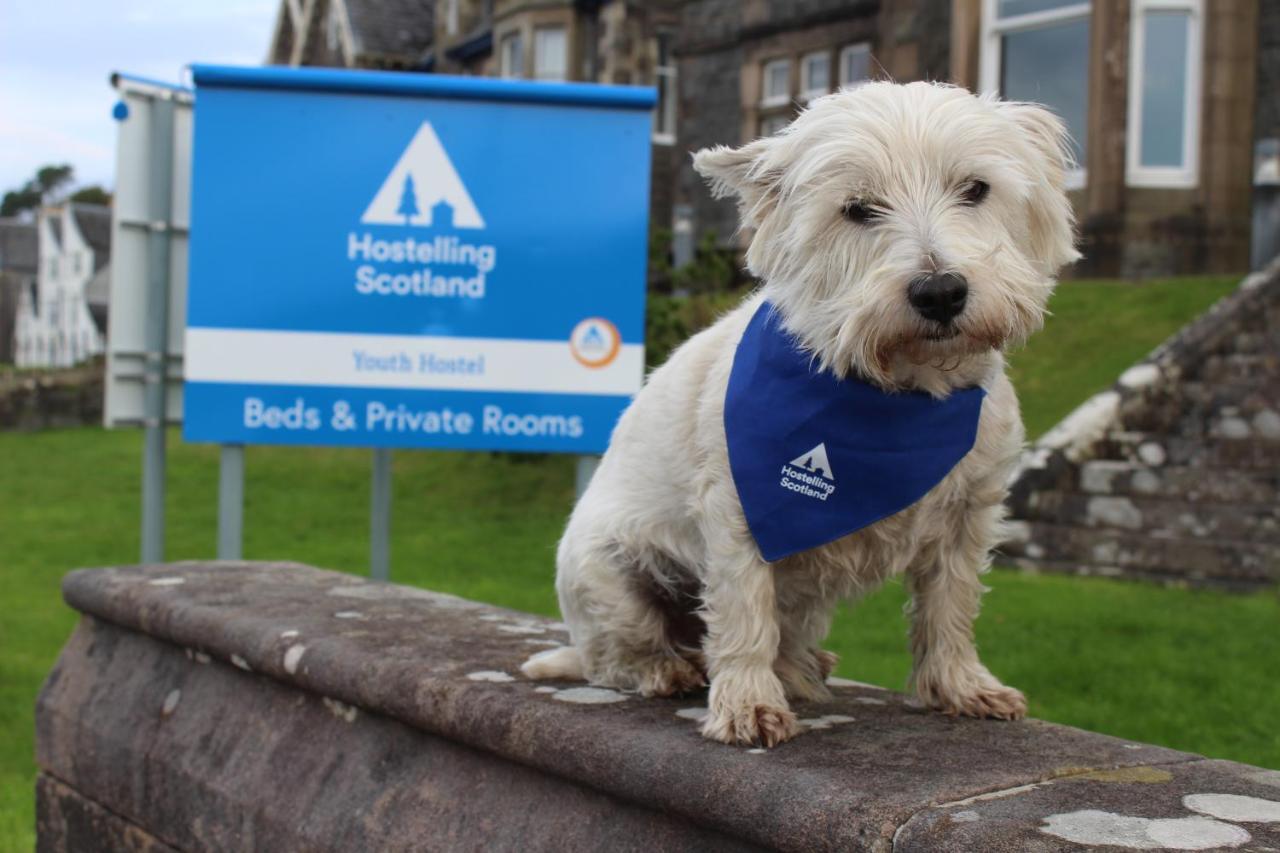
<point x="1186" y="176"/>
<point x="990" y="55"/>
<point x="863" y="47"/>
<point x="512" y="37"/>
<point x="537" y="53"/>
<point x="666" y="106"/>
<point x="807" y="91"/>
<point x="766" y="118"/>
<point x="767" y="100"/>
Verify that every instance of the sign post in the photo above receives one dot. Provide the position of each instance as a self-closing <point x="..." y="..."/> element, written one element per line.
<point x="231" y="502"/>
<point x="148" y="280"/>
<point x="392" y="260"/>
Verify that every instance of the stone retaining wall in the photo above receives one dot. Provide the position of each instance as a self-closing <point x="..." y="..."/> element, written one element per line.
<point x="1173" y="473"/>
<point x="239" y="706"/>
<point x="32" y="400"/>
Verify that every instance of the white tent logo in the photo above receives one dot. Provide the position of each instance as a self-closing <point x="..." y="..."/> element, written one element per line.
<point x="815" y="462"/>
<point x="423" y="189"/>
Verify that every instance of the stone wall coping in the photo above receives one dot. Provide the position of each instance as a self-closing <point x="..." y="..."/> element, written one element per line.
<point x="873" y="770"/>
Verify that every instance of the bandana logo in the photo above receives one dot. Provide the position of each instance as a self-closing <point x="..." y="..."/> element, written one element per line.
<point x="810" y="474"/>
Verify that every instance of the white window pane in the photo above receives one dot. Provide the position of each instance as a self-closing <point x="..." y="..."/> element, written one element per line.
<point x="817" y="74"/>
<point x="777" y="81"/>
<point x="769" y="125"/>
<point x="1050" y="65"/>
<point x="512" y="56"/>
<point x="664" y="121"/>
<point x="1164" y="87"/>
<point x="1011" y="8"/>
<point x="855" y="64"/>
<point x="550" y="53"/>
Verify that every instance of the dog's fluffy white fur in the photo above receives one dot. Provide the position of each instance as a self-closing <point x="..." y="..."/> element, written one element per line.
<point x="659" y="579"/>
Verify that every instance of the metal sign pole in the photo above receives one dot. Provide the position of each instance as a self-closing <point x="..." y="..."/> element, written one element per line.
<point x="587" y="466"/>
<point x="231" y="502"/>
<point x="155" y="364"/>
<point x="380" y="515"/>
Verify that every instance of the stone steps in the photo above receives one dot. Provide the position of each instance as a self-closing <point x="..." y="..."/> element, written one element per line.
<point x="1161" y="517"/>
<point x="1114" y="552"/>
<point x="1191" y="485"/>
<point x="1173" y="473"/>
<point x="1209" y="453"/>
<point x="1228" y="409"/>
<point x="1238" y="367"/>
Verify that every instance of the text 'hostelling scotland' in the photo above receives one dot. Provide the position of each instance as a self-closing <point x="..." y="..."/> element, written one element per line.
<point x="440" y="251"/>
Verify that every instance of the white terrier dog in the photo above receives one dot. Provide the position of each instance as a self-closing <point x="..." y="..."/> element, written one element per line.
<point x="905" y="235"/>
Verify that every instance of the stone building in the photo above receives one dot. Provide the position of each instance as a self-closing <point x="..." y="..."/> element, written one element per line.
<point x="604" y="41"/>
<point x="18" y="265"/>
<point x="1165" y="99"/>
<point x="1160" y="98"/>
<point x="61" y="315"/>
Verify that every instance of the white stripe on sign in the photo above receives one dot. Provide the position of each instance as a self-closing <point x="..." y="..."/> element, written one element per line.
<point x="404" y="361"/>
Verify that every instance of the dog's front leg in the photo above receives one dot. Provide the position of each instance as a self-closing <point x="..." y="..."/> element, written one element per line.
<point x="747" y="702"/>
<point x="945" y="593"/>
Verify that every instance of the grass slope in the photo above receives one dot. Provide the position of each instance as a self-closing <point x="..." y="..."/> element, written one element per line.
<point x="1095" y="331"/>
<point x="1190" y="669"/>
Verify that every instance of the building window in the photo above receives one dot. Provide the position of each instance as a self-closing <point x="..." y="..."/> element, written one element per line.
<point x="815" y="75"/>
<point x="1038" y="50"/>
<point x="550" y="54"/>
<point x="775" y="88"/>
<point x="771" y="124"/>
<point x="1164" y="93"/>
<point x="511" y="56"/>
<point x="451" y="17"/>
<point x="855" y="64"/>
<point x="664" y="77"/>
<point x="333" y="29"/>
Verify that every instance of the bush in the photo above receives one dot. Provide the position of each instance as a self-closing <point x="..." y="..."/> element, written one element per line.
<point x="671" y="320"/>
<point x="712" y="270"/>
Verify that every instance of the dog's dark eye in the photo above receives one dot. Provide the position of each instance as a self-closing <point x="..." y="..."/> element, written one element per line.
<point x="859" y="211"/>
<point x="974" y="192"/>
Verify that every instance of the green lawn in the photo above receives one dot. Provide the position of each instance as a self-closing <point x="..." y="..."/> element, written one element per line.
<point x="1190" y="669"/>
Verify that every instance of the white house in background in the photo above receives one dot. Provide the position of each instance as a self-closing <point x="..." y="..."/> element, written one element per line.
<point x="62" y="319"/>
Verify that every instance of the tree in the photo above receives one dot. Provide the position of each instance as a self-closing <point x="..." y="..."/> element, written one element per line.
<point x="408" y="200"/>
<point x="36" y="191"/>
<point x="91" y="195"/>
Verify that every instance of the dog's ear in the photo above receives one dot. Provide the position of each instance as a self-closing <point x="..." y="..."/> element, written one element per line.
<point x="1049" y="215"/>
<point x="749" y="173"/>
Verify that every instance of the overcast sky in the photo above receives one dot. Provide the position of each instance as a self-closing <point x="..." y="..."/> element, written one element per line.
<point x="56" y="56"/>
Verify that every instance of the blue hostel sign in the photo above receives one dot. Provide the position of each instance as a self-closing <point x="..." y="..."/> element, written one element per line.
<point x="405" y="260"/>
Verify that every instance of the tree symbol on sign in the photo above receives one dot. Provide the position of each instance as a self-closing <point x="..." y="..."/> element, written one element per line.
<point x="408" y="200"/>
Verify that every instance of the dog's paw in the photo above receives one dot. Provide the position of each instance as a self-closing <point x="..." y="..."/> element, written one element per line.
<point x="989" y="701"/>
<point x="670" y="676"/>
<point x="750" y="725"/>
<point x="969" y="692"/>
<point x="827" y="662"/>
<point x="805" y="678"/>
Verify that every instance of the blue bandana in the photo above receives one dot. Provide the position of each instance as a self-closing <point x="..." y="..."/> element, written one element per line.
<point x="816" y="458"/>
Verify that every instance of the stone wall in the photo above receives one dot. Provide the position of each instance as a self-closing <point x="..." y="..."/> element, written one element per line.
<point x="241" y="706"/>
<point x="44" y="399"/>
<point x="1174" y="473"/>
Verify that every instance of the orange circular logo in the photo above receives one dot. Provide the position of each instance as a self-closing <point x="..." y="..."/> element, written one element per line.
<point x="595" y="342"/>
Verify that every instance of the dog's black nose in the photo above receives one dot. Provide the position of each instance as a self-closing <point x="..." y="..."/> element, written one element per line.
<point x="938" y="297"/>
